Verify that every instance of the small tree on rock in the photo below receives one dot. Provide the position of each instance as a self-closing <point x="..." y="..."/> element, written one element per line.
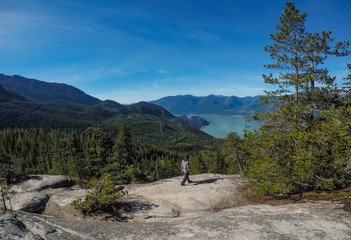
<point x="102" y="194"/>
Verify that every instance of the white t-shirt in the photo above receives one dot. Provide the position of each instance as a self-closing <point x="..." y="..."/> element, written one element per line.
<point x="185" y="165"/>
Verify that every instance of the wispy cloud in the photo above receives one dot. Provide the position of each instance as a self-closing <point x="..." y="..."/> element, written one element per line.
<point x="15" y="24"/>
<point x="162" y="71"/>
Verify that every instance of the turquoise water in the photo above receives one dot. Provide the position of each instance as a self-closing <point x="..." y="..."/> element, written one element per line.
<point x="221" y="125"/>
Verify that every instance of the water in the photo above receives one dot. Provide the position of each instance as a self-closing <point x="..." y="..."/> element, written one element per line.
<point x="221" y="125"/>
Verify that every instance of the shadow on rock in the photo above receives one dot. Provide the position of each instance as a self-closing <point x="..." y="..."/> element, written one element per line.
<point x="137" y="206"/>
<point x="206" y="181"/>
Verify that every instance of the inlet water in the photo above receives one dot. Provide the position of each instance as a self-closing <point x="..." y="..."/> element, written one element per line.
<point x="221" y="125"/>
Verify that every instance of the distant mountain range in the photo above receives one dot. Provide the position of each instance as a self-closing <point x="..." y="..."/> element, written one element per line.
<point x="30" y="103"/>
<point x="40" y="91"/>
<point x="212" y="104"/>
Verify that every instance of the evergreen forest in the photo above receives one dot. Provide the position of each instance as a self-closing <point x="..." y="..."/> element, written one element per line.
<point x="93" y="152"/>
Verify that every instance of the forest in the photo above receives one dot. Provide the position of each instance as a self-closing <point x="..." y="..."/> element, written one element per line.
<point x="303" y="145"/>
<point x="93" y="152"/>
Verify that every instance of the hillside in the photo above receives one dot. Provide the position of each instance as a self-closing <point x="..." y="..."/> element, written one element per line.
<point x="212" y="104"/>
<point x="147" y="122"/>
<point x="7" y="96"/>
<point x="44" y="91"/>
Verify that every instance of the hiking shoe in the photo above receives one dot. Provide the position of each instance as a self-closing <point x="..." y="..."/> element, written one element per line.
<point x="182" y="184"/>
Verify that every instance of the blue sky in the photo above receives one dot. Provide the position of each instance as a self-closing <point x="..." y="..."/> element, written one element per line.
<point x="134" y="50"/>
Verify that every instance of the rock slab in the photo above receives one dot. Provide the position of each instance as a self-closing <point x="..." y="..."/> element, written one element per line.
<point x="34" y="202"/>
<point x="31" y="196"/>
<point x="11" y="228"/>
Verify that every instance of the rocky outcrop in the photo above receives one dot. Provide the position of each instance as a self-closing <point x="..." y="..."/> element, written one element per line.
<point x="11" y="228"/>
<point x="60" y="202"/>
<point x="27" y="226"/>
<point x="31" y="196"/>
<point x="42" y="182"/>
<point x="212" y="207"/>
<point x="33" y="202"/>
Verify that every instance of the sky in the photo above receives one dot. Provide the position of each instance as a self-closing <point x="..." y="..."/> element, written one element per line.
<point x="142" y="50"/>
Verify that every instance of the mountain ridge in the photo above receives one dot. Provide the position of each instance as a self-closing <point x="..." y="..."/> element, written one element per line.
<point x="211" y="104"/>
<point x="37" y="90"/>
<point x="41" y="91"/>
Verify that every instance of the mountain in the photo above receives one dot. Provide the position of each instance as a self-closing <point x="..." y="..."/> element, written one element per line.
<point x="195" y="121"/>
<point x="46" y="92"/>
<point x="7" y="96"/>
<point x="212" y="104"/>
<point x="150" y="109"/>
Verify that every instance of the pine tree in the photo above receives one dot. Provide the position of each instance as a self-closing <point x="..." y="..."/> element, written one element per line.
<point x="165" y="168"/>
<point x="76" y="156"/>
<point x="217" y="164"/>
<point x="6" y="165"/>
<point x="287" y="51"/>
<point x="297" y="148"/>
<point x="347" y="85"/>
<point x="98" y="150"/>
<point x="197" y="164"/>
<point x="231" y="153"/>
<point x="124" y="148"/>
<point x="102" y="195"/>
<point x="298" y="55"/>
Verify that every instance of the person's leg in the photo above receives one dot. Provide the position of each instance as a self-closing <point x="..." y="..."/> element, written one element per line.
<point x="185" y="178"/>
<point x="189" y="181"/>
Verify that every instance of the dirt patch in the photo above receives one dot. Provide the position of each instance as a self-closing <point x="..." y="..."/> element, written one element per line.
<point x="340" y="198"/>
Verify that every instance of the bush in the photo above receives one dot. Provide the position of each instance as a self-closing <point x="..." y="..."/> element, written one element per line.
<point x="102" y="194"/>
<point x="296" y="161"/>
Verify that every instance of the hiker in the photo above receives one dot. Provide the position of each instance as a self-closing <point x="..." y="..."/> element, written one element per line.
<point x="185" y="168"/>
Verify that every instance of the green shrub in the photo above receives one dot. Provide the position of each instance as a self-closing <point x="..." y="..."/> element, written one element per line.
<point x="102" y="194"/>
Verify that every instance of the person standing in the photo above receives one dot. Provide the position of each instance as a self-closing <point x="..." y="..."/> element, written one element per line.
<point x="185" y="168"/>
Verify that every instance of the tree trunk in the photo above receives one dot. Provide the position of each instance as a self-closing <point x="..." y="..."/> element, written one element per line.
<point x="3" y="196"/>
